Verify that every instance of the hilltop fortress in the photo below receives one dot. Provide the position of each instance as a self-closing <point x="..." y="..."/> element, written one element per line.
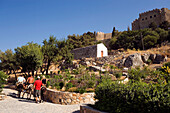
<point x="103" y="36"/>
<point x="156" y="15"/>
<point x="145" y="19"/>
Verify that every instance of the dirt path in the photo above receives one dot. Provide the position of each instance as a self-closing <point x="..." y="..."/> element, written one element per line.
<point x="16" y="105"/>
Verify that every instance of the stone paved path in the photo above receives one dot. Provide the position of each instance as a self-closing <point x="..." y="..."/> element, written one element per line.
<point x="15" y="105"/>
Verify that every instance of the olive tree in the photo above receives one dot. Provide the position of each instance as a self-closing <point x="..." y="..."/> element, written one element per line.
<point x="30" y="57"/>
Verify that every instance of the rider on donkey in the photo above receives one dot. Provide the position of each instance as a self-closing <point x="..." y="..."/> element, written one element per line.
<point x="19" y="84"/>
<point x="29" y="86"/>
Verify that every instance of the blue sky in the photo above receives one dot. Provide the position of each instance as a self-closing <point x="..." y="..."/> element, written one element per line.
<point x="23" y="21"/>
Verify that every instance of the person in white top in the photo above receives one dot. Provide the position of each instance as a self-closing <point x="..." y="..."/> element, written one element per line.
<point x="21" y="79"/>
<point x="20" y="84"/>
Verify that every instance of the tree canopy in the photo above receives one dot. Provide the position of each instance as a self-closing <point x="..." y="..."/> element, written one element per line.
<point x="30" y="57"/>
<point x="138" y="39"/>
<point x="8" y="61"/>
<point x="77" y="41"/>
<point x="49" y="50"/>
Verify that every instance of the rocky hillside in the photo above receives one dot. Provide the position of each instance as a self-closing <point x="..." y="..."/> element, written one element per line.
<point x="130" y="58"/>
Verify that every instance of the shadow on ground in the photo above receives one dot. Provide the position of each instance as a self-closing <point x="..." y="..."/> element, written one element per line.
<point x="25" y="100"/>
<point x="78" y="111"/>
<point x="14" y="95"/>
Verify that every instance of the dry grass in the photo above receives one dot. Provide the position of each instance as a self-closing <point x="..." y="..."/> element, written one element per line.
<point x="163" y="50"/>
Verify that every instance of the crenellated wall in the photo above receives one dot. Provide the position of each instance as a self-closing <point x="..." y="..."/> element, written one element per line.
<point x="99" y="36"/>
<point x="156" y="15"/>
<point x="103" y="36"/>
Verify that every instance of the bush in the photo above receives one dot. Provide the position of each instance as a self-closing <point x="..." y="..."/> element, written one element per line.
<point x="3" y="78"/>
<point x="61" y="84"/>
<point x="90" y="83"/>
<point x="81" y="90"/>
<point x="47" y="76"/>
<point x="135" y="74"/>
<point x="69" y="85"/>
<point x="118" y="74"/>
<point x="149" y="61"/>
<point x="134" y="97"/>
<point x="75" y="71"/>
<point x="57" y="77"/>
<point x="165" y="73"/>
<point x="60" y="76"/>
<point x="56" y="85"/>
<point x="48" y="84"/>
<point x="167" y="64"/>
<point x="59" y="72"/>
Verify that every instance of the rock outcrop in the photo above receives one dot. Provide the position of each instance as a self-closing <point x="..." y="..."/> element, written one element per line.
<point x="134" y="60"/>
<point x="138" y="60"/>
<point x="159" y="58"/>
<point x="120" y="60"/>
<point x="145" y="57"/>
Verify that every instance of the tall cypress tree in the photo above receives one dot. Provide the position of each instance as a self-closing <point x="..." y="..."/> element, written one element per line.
<point x="113" y="32"/>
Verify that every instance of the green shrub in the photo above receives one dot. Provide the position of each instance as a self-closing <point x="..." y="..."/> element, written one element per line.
<point x="118" y="74"/>
<point x="61" y="84"/>
<point x="59" y="72"/>
<point x="56" y="85"/>
<point x="47" y="76"/>
<point x="81" y="90"/>
<point x="48" y="84"/>
<point x="90" y="83"/>
<point x="167" y="64"/>
<point x="60" y="76"/>
<point x="134" y="97"/>
<point x="3" y="78"/>
<point x="135" y="74"/>
<point x="149" y="61"/>
<point x="69" y="85"/>
<point x="67" y="71"/>
<point x="56" y="77"/>
<point x="75" y="71"/>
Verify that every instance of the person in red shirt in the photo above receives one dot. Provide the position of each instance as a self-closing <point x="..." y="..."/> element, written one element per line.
<point x="37" y="86"/>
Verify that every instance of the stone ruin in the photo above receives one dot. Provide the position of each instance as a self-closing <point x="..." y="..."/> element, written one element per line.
<point x="156" y="15"/>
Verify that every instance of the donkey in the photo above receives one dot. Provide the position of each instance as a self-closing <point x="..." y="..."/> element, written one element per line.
<point x="28" y="89"/>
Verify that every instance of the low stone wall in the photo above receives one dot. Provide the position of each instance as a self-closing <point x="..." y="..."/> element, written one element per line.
<point x="87" y="109"/>
<point x="68" y="98"/>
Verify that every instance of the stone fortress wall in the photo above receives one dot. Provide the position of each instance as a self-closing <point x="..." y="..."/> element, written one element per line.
<point x="103" y="36"/>
<point x="156" y="15"/>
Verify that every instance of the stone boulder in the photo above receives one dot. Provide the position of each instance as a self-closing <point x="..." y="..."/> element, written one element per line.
<point x="121" y="63"/>
<point x="159" y="58"/>
<point x="152" y="57"/>
<point x="134" y="60"/>
<point x="145" y="57"/>
<point x="97" y="68"/>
